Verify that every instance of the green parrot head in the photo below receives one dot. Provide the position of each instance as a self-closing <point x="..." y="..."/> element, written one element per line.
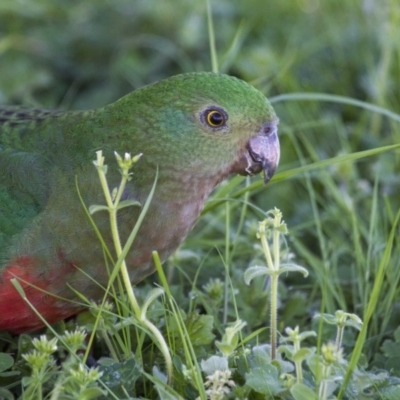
<point x="208" y="125"/>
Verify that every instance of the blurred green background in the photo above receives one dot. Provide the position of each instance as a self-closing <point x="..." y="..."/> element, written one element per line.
<point x="85" y="54"/>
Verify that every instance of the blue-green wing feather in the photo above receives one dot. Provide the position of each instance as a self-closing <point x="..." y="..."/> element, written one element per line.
<point x="23" y="181"/>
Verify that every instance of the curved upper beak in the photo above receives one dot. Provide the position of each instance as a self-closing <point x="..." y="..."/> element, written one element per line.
<point x="262" y="152"/>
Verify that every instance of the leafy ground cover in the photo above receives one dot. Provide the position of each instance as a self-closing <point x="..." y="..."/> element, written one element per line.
<point x="331" y="70"/>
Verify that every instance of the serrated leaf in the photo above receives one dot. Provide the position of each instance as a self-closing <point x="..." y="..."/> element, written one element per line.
<point x="200" y="329"/>
<point x="390" y="393"/>
<point x="393" y="364"/>
<point x="302" y="392"/>
<point x="264" y="380"/>
<point x="120" y="374"/>
<point x="390" y="348"/>
<point x="262" y="354"/>
<point x="363" y="380"/>
<point x="253" y="272"/>
<point x="214" y="363"/>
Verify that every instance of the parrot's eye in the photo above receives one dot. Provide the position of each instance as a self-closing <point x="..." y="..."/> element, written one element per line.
<point x="215" y="118"/>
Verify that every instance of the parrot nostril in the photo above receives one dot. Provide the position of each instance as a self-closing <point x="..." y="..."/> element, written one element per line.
<point x="268" y="129"/>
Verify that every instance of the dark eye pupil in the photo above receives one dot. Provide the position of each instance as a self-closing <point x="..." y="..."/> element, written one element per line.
<point x="216" y="118"/>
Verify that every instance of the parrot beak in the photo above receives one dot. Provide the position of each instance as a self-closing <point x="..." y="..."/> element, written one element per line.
<point x="262" y="152"/>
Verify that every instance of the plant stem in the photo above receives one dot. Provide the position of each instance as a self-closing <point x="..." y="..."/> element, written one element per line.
<point x="211" y="35"/>
<point x="112" y="209"/>
<point x="267" y="253"/>
<point x="227" y="264"/>
<point x="275" y="249"/>
<point x="111" y="349"/>
<point x="274" y="285"/>
<point x="326" y="369"/>
<point x="274" y="276"/>
<point x="299" y="370"/>
<point x="274" y="314"/>
<point x="339" y="336"/>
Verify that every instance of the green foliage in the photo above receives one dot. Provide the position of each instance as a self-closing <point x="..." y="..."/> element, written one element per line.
<point x="391" y="353"/>
<point x="337" y="187"/>
<point x="117" y="376"/>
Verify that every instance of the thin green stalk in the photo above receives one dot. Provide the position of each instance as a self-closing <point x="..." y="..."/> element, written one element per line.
<point x="335" y="99"/>
<point x="112" y="209"/>
<point x="274" y="276"/>
<point x="40" y="391"/>
<point x="326" y="370"/>
<point x="267" y="253"/>
<point x="276" y="245"/>
<point x="297" y="363"/>
<point x="110" y="346"/>
<point x="299" y="371"/>
<point x="211" y="35"/>
<point x="274" y="314"/>
<point x="339" y="336"/>
<point x="227" y="263"/>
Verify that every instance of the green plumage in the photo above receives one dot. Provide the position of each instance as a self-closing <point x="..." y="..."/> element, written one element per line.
<point x="42" y="152"/>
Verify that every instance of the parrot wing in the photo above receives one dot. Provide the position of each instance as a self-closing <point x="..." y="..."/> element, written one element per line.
<point x="23" y="184"/>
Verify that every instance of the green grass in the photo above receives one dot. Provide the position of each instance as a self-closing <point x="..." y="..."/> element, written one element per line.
<point x="332" y="72"/>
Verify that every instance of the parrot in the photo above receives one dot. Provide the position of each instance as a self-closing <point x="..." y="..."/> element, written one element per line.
<point x="193" y="130"/>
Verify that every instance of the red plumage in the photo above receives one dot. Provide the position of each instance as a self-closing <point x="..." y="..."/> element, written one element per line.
<point x="16" y="314"/>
